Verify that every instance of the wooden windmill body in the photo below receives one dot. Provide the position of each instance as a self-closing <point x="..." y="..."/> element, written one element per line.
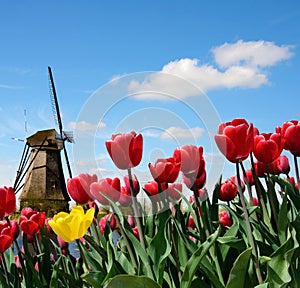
<point x="41" y="169"/>
<point x="44" y="187"/>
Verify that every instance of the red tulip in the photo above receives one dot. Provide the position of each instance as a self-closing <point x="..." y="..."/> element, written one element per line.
<point x="15" y="228"/>
<point x="7" y="201"/>
<point x="130" y="220"/>
<point x="165" y="170"/>
<point x="172" y="191"/>
<point x="62" y="244"/>
<point x="268" y="147"/>
<point x="235" y="139"/>
<point x="151" y="188"/>
<point x="194" y="184"/>
<point x="135" y="182"/>
<point x="202" y="193"/>
<point x="125" y="150"/>
<point x="125" y="197"/>
<point x="224" y="219"/>
<point x="110" y="218"/>
<point x="292" y="181"/>
<point x="31" y="222"/>
<point x="109" y="187"/>
<point x="282" y="165"/>
<point x="228" y="191"/>
<point x="254" y="202"/>
<point x="6" y="236"/>
<point x="191" y="160"/>
<point x="135" y="231"/>
<point x="249" y="177"/>
<point x="291" y="133"/>
<point x="79" y="188"/>
<point x="191" y="223"/>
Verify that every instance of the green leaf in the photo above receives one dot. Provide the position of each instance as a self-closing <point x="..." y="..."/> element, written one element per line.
<point x="195" y="260"/>
<point x="283" y="220"/>
<point x="238" y="272"/>
<point x="233" y="242"/>
<point x="159" y="248"/>
<point x="125" y="281"/>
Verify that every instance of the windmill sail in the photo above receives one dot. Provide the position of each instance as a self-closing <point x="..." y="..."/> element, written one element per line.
<point x="57" y="117"/>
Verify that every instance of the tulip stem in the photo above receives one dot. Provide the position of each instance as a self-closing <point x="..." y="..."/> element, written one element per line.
<point x="297" y="171"/>
<point x="82" y="254"/>
<point x="271" y="199"/>
<point x="136" y="210"/>
<point x="260" y="195"/>
<point x="5" y="269"/>
<point x="248" y="225"/>
<point x="248" y="188"/>
<point x="126" y="240"/>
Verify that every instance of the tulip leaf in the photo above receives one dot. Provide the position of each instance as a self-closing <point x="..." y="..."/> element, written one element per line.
<point x="283" y="220"/>
<point x="159" y="248"/>
<point x="282" y="258"/>
<point x="195" y="260"/>
<point x="125" y="281"/>
<point x="238" y="272"/>
<point x="233" y="242"/>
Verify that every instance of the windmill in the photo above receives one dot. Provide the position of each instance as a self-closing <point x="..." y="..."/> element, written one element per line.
<point x="40" y="173"/>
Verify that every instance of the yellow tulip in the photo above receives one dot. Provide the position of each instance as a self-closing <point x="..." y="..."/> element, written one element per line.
<point x="72" y="226"/>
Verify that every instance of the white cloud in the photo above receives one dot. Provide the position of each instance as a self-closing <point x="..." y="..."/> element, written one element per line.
<point x="85" y="126"/>
<point x="252" y="53"/>
<point x="4" y="86"/>
<point x="238" y="65"/>
<point x="181" y="133"/>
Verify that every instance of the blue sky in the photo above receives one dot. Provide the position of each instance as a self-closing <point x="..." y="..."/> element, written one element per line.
<point x="224" y="59"/>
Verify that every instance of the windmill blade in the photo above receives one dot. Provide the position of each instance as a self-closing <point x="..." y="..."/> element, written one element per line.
<point x="56" y="114"/>
<point x="54" y="103"/>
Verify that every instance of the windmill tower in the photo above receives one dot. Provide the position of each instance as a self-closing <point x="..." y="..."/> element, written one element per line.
<point x="44" y="187"/>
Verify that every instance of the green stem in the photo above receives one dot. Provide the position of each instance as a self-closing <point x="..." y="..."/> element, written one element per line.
<point x="271" y="199"/>
<point x="136" y="211"/>
<point x="248" y="225"/>
<point x="4" y="266"/>
<point x="131" y="255"/>
<point x="78" y="242"/>
<point x="175" y="250"/>
<point x="213" y="247"/>
<point x="248" y="187"/>
<point x="260" y="195"/>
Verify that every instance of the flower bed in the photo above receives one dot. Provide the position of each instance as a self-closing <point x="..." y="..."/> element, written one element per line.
<point x="245" y="235"/>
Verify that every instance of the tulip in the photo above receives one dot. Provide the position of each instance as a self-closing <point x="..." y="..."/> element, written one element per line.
<point x="135" y="184"/>
<point x="291" y="133"/>
<point x="249" y="177"/>
<point x="268" y="147"/>
<point x="15" y="228"/>
<point x="191" y="160"/>
<point x="125" y="197"/>
<point x="135" y="231"/>
<point x="228" y="191"/>
<point x="235" y="139"/>
<point x="283" y="165"/>
<point x="62" y="244"/>
<point x="130" y="220"/>
<point x="202" y="195"/>
<point x="108" y="218"/>
<point x="254" y="202"/>
<point x="224" y="219"/>
<point x="7" y="201"/>
<point x="79" y="188"/>
<point x="125" y="150"/>
<point x="32" y="221"/>
<point x="172" y="191"/>
<point x="94" y="205"/>
<point x="6" y="236"/>
<point x="191" y="223"/>
<point x="73" y="225"/>
<point x="109" y="187"/>
<point x="165" y="170"/>
<point x="292" y="181"/>
<point x="152" y="189"/>
<point x="195" y="184"/>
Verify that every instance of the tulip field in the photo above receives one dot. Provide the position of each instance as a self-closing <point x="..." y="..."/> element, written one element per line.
<point x="244" y="233"/>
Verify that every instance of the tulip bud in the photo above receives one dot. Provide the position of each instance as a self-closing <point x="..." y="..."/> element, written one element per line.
<point x="224" y="219"/>
<point x="228" y="191"/>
